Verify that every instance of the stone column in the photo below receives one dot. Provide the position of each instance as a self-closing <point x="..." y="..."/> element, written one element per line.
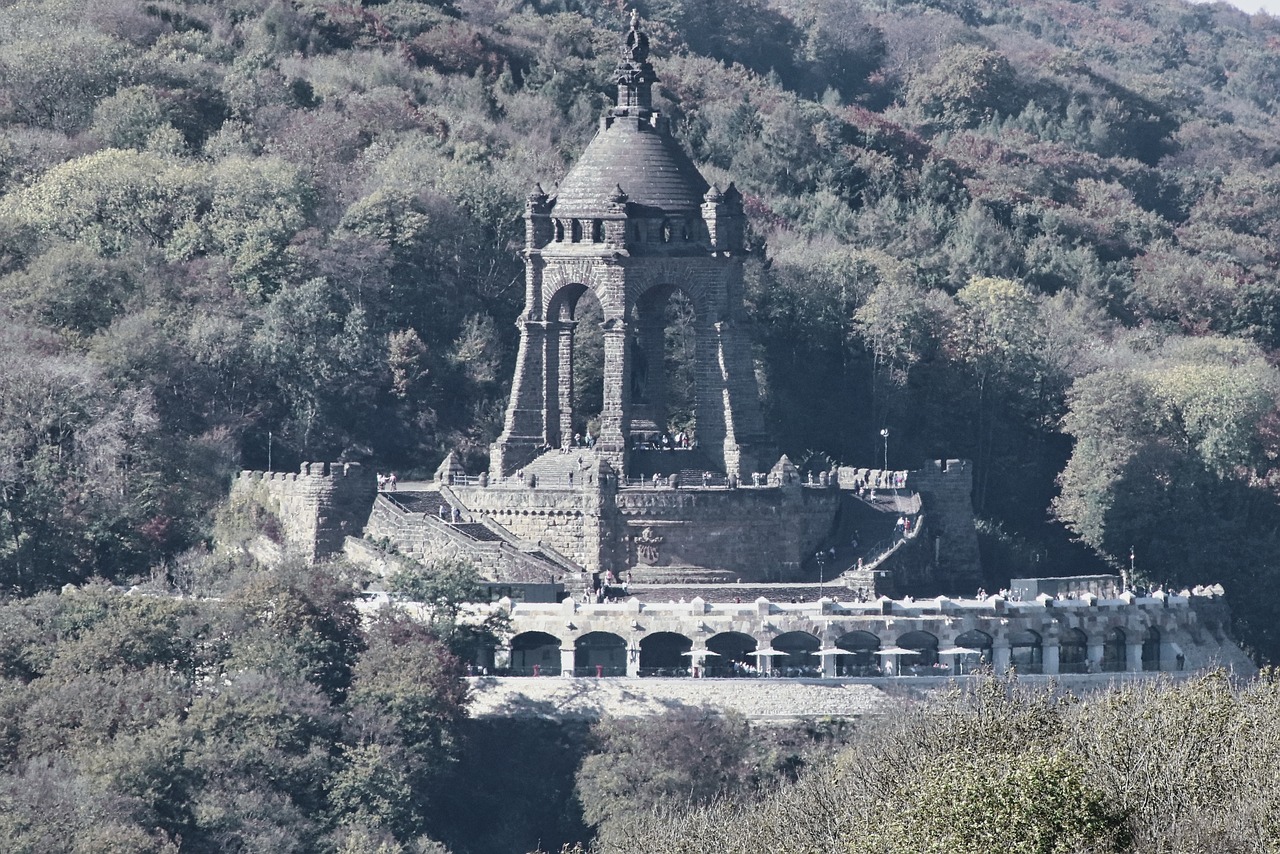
<point x="1133" y="657"/>
<point x="564" y="385"/>
<point x="502" y="657"/>
<point x="633" y="661"/>
<point x="829" y="666"/>
<point x="1000" y="655"/>
<point x="551" y="385"/>
<point x="1050" y="651"/>
<point x="612" y="444"/>
<point x="524" y="427"/>
<point x="566" y="660"/>
<point x="1093" y="654"/>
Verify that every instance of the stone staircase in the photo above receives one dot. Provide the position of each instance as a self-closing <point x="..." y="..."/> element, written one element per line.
<point x="410" y="521"/>
<point x="689" y="463"/>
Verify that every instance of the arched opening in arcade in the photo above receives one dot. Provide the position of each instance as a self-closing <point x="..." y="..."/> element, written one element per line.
<point x="1151" y="649"/>
<point x="535" y="654"/>
<point x="1115" y="651"/>
<point x="1026" y="651"/>
<point x="798" y="654"/>
<point x="921" y="658"/>
<point x="664" y="359"/>
<point x="600" y="654"/>
<point x="979" y="644"/>
<point x="1073" y="652"/>
<point x="578" y="309"/>
<point x="665" y="654"/>
<point x="861" y="659"/>
<point x="733" y="654"/>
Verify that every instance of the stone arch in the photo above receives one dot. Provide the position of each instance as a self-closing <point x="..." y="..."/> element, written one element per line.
<point x="559" y="231"/>
<point x="662" y="654"/>
<point x="861" y="659"/>
<point x="1073" y="652"/>
<point x="731" y="647"/>
<point x="667" y="340"/>
<point x="600" y="653"/>
<point x="575" y="231"/>
<point x="799" y="648"/>
<point x="535" y="654"/>
<point x="1151" y="648"/>
<point x="1026" y="651"/>
<point x="978" y="640"/>
<point x="597" y="231"/>
<point x="924" y="649"/>
<point x="1115" y="651"/>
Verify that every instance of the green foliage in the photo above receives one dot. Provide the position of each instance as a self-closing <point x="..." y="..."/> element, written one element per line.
<point x="136" y="722"/>
<point x="442" y="590"/>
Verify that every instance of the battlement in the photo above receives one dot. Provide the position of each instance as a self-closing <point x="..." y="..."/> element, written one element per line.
<point x="327" y="471"/>
<point x="318" y="506"/>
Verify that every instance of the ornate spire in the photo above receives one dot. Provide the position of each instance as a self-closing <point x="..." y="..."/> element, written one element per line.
<point x="634" y="74"/>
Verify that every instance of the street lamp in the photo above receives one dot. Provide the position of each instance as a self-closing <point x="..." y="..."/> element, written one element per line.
<point x="885" y="434"/>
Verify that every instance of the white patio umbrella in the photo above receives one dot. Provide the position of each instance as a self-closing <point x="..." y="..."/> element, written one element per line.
<point x="958" y="650"/>
<point x="834" y="650"/>
<point x="896" y="650"/>
<point x="697" y="652"/>
<point x="768" y="650"/>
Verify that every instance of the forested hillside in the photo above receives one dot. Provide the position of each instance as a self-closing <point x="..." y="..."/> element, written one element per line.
<point x="1039" y="234"/>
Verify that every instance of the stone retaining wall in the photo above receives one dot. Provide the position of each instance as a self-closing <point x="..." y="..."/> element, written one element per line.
<point x="318" y="506"/>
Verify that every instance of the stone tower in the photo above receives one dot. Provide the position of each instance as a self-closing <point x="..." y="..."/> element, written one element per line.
<point x="633" y="222"/>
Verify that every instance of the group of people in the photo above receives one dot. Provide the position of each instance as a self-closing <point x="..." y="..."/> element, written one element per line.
<point x="455" y="516"/>
<point x="664" y="441"/>
<point x="386" y="481"/>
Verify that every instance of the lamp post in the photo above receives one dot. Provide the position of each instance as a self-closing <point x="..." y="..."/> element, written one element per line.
<point x="268" y="450"/>
<point x="822" y="567"/>
<point x="885" y="434"/>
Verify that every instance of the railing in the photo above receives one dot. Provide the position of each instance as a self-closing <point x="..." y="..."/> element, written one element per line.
<point x="600" y="670"/>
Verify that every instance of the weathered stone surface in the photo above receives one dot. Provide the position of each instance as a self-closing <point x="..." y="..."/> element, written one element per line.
<point x="318" y="506"/>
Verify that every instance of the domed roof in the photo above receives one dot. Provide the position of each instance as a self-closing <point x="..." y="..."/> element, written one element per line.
<point x="644" y="160"/>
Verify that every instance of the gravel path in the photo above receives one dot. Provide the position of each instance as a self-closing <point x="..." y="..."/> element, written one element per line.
<point x="757" y="699"/>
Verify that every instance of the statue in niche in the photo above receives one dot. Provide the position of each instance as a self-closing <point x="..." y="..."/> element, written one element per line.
<point x="639" y="374"/>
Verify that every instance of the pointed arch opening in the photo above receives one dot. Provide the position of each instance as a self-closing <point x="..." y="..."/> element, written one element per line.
<point x="978" y="641"/>
<point x="861" y="659"/>
<point x="535" y="654"/>
<point x="923" y="657"/>
<point x="799" y="658"/>
<point x="600" y="654"/>
<point x="1115" y="653"/>
<point x="1073" y="652"/>
<point x="1026" y="652"/>
<point x="664" y="365"/>
<point x="1151" y="649"/>
<point x="663" y="654"/>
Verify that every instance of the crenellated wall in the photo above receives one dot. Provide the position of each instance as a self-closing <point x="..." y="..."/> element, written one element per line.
<point x="318" y="506"/>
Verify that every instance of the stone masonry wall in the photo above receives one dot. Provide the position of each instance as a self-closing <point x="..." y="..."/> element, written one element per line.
<point x="423" y="537"/>
<point x="756" y="534"/>
<point x="565" y="519"/>
<point x="318" y="506"/>
<point x="946" y="488"/>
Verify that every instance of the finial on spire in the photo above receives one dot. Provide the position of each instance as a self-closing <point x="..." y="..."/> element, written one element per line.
<point x="637" y="42"/>
<point x="634" y="74"/>
<point x="619" y="196"/>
